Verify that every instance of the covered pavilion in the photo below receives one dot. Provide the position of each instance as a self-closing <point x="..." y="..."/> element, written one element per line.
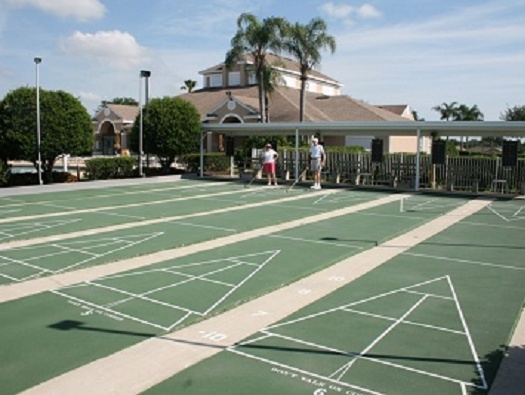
<point x="504" y="129"/>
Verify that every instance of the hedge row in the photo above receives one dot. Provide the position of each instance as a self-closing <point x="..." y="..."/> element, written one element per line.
<point x="212" y="162"/>
<point x="23" y="179"/>
<point x="114" y="167"/>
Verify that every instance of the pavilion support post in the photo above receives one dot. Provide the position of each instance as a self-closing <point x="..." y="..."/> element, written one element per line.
<point x="418" y="151"/>
<point x="296" y="162"/>
<point x="201" y="159"/>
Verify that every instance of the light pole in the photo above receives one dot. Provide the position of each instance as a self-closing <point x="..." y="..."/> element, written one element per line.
<point x="146" y="74"/>
<point x="39" y="160"/>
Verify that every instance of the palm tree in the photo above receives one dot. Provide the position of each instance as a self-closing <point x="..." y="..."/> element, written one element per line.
<point x="271" y="79"/>
<point x="305" y="43"/>
<point x="189" y="85"/>
<point x="466" y="113"/>
<point x="448" y="111"/>
<point x="256" y="38"/>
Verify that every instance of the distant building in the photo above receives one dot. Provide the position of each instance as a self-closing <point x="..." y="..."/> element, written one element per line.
<point x="112" y="128"/>
<point x="231" y="96"/>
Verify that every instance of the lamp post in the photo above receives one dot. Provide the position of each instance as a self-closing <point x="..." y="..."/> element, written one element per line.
<point x="143" y="74"/>
<point x="39" y="160"/>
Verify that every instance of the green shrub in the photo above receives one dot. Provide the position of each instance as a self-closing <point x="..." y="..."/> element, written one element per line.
<point x="216" y="162"/>
<point x="4" y="174"/>
<point x="106" y="168"/>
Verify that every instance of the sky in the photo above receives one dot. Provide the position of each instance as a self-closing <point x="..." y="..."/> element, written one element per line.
<point x="417" y="52"/>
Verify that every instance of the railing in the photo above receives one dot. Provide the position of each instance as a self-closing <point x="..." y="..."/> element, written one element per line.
<point x="399" y="170"/>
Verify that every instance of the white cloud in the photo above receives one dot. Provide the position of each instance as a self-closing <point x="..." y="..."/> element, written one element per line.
<point x="89" y="97"/>
<point x="82" y="10"/>
<point x="340" y="11"/>
<point x="467" y="56"/>
<point x="345" y="11"/>
<point x="111" y="48"/>
<point x="368" y="11"/>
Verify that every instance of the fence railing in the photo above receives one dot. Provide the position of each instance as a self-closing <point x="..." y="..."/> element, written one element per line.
<point x="399" y="170"/>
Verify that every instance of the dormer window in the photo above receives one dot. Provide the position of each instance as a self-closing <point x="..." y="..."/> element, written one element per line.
<point x="234" y="78"/>
<point x="252" y="78"/>
<point x="215" y="81"/>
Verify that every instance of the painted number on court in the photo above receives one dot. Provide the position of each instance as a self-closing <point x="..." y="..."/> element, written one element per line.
<point x="214" y="336"/>
<point x="336" y="278"/>
<point x="305" y="291"/>
<point x="259" y="313"/>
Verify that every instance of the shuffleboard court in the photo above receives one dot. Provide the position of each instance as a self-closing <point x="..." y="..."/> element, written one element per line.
<point x="80" y="322"/>
<point x="93" y="278"/>
<point x="28" y="205"/>
<point x="433" y="320"/>
<point x="34" y="261"/>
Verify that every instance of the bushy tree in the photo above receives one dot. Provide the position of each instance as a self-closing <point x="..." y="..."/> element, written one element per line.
<point x="65" y="127"/>
<point x="171" y="127"/>
<point x="516" y="113"/>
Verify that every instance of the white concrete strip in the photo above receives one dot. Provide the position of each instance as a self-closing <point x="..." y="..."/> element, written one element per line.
<point x="31" y="287"/>
<point x="81" y="186"/>
<point x="510" y="379"/>
<point x="135" y="224"/>
<point x="152" y="361"/>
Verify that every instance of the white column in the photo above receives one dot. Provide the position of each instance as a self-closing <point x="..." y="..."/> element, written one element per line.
<point x="418" y="149"/>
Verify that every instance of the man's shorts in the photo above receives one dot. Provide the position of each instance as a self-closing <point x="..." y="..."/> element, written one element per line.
<point x="269" y="168"/>
<point x="315" y="164"/>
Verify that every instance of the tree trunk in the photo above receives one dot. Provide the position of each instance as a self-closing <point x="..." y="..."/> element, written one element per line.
<point x="262" y="107"/>
<point x="302" y="100"/>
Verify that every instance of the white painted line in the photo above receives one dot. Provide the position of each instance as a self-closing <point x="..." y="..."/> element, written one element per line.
<point x="345" y="368"/>
<point x="305" y="372"/>
<point x="469" y="337"/>
<point x="465" y="261"/>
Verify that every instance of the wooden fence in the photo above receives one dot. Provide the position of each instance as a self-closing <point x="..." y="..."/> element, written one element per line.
<point x="399" y="170"/>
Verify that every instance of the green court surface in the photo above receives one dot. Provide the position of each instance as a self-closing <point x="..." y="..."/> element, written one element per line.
<point x="25" y="263"/>
<point x="53" y="221"/>
<point x="433" y="320"/>
<point x="16" y="206"/>
<point x="428" y="319"/>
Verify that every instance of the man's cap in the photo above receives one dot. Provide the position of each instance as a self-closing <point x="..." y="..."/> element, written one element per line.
<point x="269" y="145"/>
<point x="315" y="140"/>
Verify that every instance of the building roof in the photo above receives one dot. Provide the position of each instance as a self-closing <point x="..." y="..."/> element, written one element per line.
<point x="292" y="65"/>
<point x="284" y="105"/>
<point x="279" y="62"/>
<point x="128" y="113"/>
<point x="398" y="109"/>
<point x="378" y="129"/>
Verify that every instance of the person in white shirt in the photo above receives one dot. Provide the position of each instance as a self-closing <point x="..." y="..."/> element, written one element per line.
<point x="269" y="157"/>
<point x="317" y="159"/>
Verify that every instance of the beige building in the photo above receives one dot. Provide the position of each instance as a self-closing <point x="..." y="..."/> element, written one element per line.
<point x="231" y="96"/>
<point x="112" y="128"/>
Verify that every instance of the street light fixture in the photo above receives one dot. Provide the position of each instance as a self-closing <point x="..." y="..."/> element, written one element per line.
<point x="39" y="159"/>
<point x="143" y="74"/>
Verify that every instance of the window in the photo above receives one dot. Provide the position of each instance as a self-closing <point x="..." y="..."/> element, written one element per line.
<point x="234" y="78"/>
<point x="252" y="79"/>
<point x="216" y="80"/>
<point x="328" y="90"/>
